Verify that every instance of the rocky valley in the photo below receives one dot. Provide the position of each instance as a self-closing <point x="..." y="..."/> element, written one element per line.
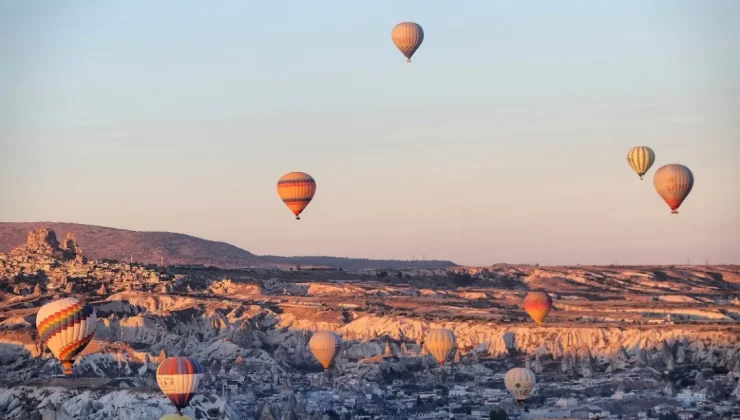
<point x="619" y="339"/>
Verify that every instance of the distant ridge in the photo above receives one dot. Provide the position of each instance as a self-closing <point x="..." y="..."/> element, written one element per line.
<point x="98" y="243"/>
<point x="360" y="263"/>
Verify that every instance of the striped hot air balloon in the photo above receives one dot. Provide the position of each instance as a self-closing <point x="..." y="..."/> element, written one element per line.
<point x="520" y="382"/>
<point x="324" y="346"/>
<point x="641" y="158"/>
<point x="66" y="326"/>
<point x="673" y="183"/>
<point x="178" y="378"/>
<point x="440" y="343"/>
<point x="537" y="305"/>
<point x="296" y="189"/>
<point x="407" y="36"/>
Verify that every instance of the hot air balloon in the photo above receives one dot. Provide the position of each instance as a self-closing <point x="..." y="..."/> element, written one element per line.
<point x="641" y="158"/>
<point x="440" y="343"/>
<point x="325" y="346"/>
<point x="296" y="189"/>
<point x="673" y="183"/>
<point x="520" y="382"/>
<point x="66" y="326"/>
<point x="178" y="378"/>
<point x="537" y="305"/>
<point x="408" y="37"/>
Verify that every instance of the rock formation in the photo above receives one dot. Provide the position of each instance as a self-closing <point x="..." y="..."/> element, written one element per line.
<point x="72" y="251"/>
<point x="538" y="364"/>
<point x="41" y="241"/>
<point x="736" y="391"/>
<point x="268" y="412"/>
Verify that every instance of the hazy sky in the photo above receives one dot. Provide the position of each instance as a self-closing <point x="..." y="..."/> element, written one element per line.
<point x="504" y="141"/>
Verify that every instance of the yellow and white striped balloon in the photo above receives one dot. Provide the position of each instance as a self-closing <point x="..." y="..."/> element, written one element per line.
<point x="407" y="36"/>
<point x="641" y="158"/>
<point x="440" y="343"/>
<point x="520" y="382"/>
<point x="324" y="346"/>
<point x="673" y="183"/>
<point x="66" y="326"/>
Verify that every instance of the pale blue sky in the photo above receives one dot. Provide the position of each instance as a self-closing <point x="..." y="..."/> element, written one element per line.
<point x="504" y="141"/>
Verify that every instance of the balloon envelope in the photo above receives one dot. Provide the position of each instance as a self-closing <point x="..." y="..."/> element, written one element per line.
<point x="519" y="382"/>
<point x="66" y="326"/>
<point x="641" y="158"/>
<point x="407" y="36"/>
<point x="538" y="305"/>
<point x="178" y="378"/>
<point x="673" y="183"/>
<point x="440" y="343"/>
<point x="296" y="189"/>
<point x="324" y="346"/>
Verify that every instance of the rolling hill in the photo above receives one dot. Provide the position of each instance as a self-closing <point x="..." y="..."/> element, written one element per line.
<point x="99" y="243"/>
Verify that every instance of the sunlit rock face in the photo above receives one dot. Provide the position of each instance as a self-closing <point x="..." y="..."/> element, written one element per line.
<point x="255" y="325"/>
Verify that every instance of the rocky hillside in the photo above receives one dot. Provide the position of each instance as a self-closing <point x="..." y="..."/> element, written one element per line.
<point x="101" y="243"/>
<point x="658" y="328"/>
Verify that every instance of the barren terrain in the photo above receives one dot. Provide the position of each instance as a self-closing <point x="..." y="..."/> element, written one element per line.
<point x="259" y="320"/>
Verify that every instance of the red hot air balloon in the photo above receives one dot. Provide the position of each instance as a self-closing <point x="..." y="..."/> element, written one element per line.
<point x="537" y="305"/>
<point x="178" y="378"/>
<point x="673" y="183"/>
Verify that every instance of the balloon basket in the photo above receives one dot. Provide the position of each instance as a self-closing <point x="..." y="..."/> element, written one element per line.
<point x="67" y="367"/>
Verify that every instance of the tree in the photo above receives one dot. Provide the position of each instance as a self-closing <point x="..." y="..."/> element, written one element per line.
<point x="462" y="279"/>
<point x="498" y="415"/>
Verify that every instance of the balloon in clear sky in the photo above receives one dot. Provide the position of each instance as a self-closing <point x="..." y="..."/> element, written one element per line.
<point x="296" y="189"/>
<point x="519" y="382"/>
<point x="324" y="346"/>
<point x="66" y="326"/>
<point x="537" y="305"/>
<point x="178" y="378"/>
<point x="408" y="37"/>
<point x="440" y="343"/>
<point x="673" y="183"/>
<point x="641" y="158"/>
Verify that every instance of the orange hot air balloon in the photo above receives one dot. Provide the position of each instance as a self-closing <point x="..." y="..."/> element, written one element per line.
<point x="324" y="345"/>
<point x="537" y="305"/>
<point x="407" y="36"/>
<point x="296" y="189"/>
<point x="673" y="183"/>
<point x="440" y="343"/>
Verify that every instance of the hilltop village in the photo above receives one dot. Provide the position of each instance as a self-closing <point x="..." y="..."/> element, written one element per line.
<point x="250" y="329"/>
